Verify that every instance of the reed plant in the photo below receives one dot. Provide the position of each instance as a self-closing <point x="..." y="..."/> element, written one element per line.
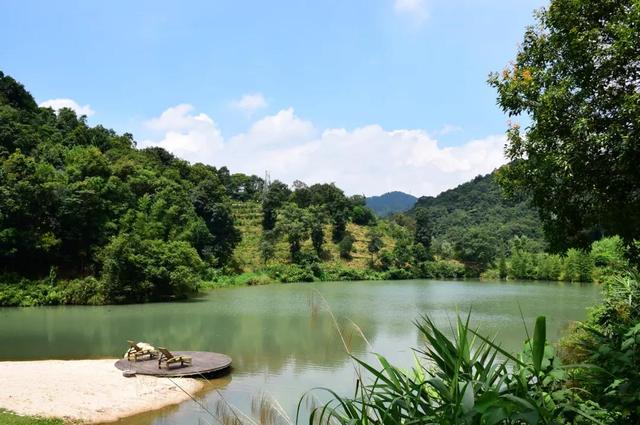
<point x="463" y="379"/>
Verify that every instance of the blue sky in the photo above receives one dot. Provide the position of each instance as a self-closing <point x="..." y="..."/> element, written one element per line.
<point x="374" y="95"/>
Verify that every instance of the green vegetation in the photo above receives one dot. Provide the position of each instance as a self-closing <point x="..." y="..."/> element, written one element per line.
<point x="610" y="339"/>
<point x="390" y="203"/>
<point x="575" y="78"/>
<point x="475" y="222"/>
<point x="607" y="257"/>
<point x="88" y="218"/>
<point x="467" y="379"/>
<point x="9" y="418"/>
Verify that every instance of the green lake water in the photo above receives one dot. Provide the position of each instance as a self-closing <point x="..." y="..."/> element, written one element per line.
<point x="281" y="337"/>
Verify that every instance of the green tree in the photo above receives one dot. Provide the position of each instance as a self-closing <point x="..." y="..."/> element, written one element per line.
<point x="211" y="205"/>
<point x="503" y="270"/>
<point x="340" y="220"/>
<point x="137" y="270"/>
<point x="318" y="220"/>
<point x="477" y="248"/>
<point x="362" y="215"/>
<point x="403" y="248"/>
<point x="345" y="247"/>
<point x="375" y="242"/>
<point x="267" y="246"/>
<point x="424" y="229"/>
<point x="293" y="223"/>
<point x="578" y="266"/>
<point x="549" y="267"/>
<point x="575" y="77"/>
<point x="276" y="195"/>
<point x="610" y="253"/>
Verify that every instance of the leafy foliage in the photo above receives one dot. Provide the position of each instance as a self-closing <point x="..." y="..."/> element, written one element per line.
<point x="610" y="338"/>
<point x="606" y="258"/>
<point x="467" y="379"/>
<point x="475" y="222"/>
<point x="346" y="246"/>
<point x="576" y="78"/>
<point x="83" y="202"/>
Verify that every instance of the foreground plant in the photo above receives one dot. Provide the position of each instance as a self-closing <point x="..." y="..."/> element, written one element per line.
<point x="610" y="338"/>
<point x="467" y="379"/>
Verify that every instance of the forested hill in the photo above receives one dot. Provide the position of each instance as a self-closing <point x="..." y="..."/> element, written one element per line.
<point x="476" y="212"/>
<point x="391" y="202"/>
<point x="87" y="217"/>
<point x="81" y="202"/>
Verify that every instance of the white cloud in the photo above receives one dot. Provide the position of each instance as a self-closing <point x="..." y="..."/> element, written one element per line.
<point x="447" y="129"/>
<point x="369" y="160"/>
<point x="195" y="138"/>
<point x="57" y="104"/>
<point x="416" y="10"/>
<point x="276" y="130"/>
<point x="250" y="102"/>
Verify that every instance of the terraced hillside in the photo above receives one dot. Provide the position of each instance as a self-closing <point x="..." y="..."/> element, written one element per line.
<point x="248" y="218"/>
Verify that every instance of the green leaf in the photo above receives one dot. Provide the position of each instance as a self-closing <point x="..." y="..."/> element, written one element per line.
<point x="539" y="341"/>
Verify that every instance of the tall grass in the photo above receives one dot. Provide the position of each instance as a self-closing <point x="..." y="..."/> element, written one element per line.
<point x="463" y="379"/>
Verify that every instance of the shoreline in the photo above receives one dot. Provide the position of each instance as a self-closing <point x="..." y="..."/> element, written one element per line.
<point x="86" y="391"/>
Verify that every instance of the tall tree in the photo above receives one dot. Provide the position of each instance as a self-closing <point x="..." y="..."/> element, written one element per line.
<point x="318" y="220"/>
<point x="375" y="242"/>
<point x="294" y="224"/>
<point x="424" y="230"/>
<point x="576" y="79"/>
<point x="277" y="194"/>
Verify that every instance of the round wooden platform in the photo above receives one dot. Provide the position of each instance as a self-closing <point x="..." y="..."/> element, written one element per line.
<point x="203" y="363"/>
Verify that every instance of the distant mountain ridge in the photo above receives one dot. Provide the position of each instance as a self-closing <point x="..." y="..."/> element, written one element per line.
<point x="391" y="202"/>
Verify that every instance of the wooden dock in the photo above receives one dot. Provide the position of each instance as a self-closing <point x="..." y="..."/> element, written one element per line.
<point x="203" y="363"/>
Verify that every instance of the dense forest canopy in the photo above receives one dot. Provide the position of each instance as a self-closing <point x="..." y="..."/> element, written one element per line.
<point x="77" y="200"/>
<point x="478" y="223"/>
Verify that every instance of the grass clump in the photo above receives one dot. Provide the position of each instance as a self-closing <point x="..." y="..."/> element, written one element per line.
<point x="243" y="279"/>
<point x="465" y="379"/>
<point x="10" y="418"/>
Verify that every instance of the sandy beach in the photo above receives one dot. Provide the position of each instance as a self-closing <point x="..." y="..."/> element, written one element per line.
<point x="89" y="391"/>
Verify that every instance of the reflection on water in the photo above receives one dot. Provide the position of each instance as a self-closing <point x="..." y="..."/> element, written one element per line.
<point x="279" y="341"/>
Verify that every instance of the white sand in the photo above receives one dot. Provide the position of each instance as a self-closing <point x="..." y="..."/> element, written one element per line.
<point x="85" y="390"/>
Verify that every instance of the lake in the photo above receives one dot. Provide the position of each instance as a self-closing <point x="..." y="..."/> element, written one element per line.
<point x="282" y="338"/>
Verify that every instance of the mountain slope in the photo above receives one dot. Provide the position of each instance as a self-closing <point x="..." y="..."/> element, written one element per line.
<point x="391" y="202"/>
<point x="480" y="205"/>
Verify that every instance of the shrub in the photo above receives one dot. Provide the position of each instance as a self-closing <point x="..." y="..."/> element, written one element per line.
<point x="345" y="246"/>
<point x="138" y="270"/>
<point x="442" y="269"/>
<point x="83" y="291"/>
<point x="338" y="273"/>
<point x="610" y="339"/>
<point x="549" y="266"/>
<point x="398" y="274"/>
<point x="578" y="266"/>
<point x="289" y="273"/>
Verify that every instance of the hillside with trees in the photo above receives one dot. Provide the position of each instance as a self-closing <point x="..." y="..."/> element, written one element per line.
<point x="82" y="206"/>
<point x="391" y="202"/>
<point x="476" y="223"/>
<point x="87" y="217"/>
